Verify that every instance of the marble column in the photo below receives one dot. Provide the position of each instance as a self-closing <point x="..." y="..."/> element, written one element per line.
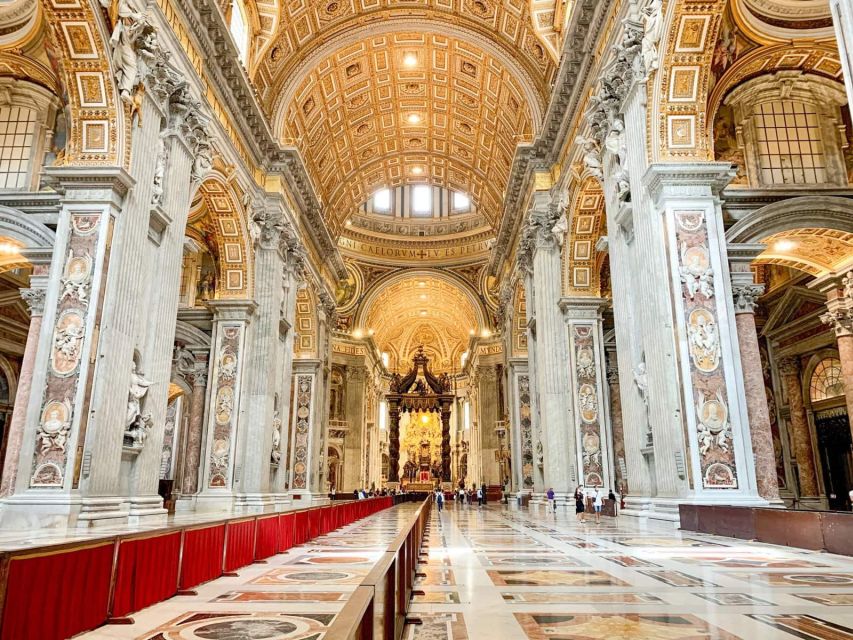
<point x="354" y="412"/>
<point x="745" y="293"/>
<point x="842" y="18"/>
<point x="306" y="431"/>
<point x="231" y="319"/>
<point x="34" y="297"/>
<point x="587" y="375"/>
<point x="521" y="425"/>
<point x="393" y="443"/>
<point x="617" y="429"/>
<point x="839" y="317"/>
<point x="445" y="444"/>
<point x="257" y="419"/>
<point x="801" y="437"/>
<point x="555" y="396"/>
<point x="195" y="431"/>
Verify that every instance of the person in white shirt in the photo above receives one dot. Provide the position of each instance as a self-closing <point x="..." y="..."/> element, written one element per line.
<point x="597" y="503"/>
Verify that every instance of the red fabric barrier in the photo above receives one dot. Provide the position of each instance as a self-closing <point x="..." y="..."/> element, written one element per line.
<point x="325" y="520"/>
<point x="301" y="527"/>
<point x="314" y="518"/>
<point x="202" y="558"/>
<point x="147" y="572"/>
<point x="57" y="595"/>
<point x="266" y="537"/>
<point x="241" y="545"/>
<point x="285" y="532"/>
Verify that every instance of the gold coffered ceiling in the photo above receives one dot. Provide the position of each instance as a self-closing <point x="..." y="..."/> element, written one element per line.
<point x="365" y="119"/>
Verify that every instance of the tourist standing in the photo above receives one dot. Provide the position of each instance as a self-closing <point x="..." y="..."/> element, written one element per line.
<point x="597" y="503"/>
<point x="550" y="504"/>
<point x="580" y="508"/>
<point x="479" y="496"/>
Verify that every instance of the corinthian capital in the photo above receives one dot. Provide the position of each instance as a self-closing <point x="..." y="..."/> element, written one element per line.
<point x="746" y="296"/>
<point x="267" y="225"/>
<point x="840" y="320"/>
<point x="35" y="300"/>
<point x="789" y="366"/>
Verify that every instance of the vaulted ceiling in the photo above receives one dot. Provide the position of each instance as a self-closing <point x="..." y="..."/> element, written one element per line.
<point x="375" y="94"/>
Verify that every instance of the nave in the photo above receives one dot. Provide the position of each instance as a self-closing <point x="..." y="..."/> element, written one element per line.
<point x="499" y="573"/>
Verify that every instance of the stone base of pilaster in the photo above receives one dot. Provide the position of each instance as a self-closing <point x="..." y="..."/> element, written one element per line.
<point x="665" y="510"/>
<point x="212" y="501"/>
<point x="147" y="510"/>
<point x="254" y="503"/>
<point x="40" y="510"/>
<point x="185" y="504"/>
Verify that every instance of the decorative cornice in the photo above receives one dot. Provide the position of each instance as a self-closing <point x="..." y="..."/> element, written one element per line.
<point x="691" y="179"/>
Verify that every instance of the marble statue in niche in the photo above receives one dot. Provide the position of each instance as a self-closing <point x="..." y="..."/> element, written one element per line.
<point x="159" y="171"/>
<point x="128" y="24"/>
<point x="138" y="388"/>
<point x="275" y="456"/>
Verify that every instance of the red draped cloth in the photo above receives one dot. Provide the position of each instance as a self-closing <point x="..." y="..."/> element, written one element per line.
<point x="240" y="549"/>
<point x="54" y="596"/>
<point x="202" y="558"/>
<point x="147" y="572"/>
<point x="266" y="537"/>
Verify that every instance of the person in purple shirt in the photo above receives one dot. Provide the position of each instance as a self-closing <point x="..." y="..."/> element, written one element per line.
<point x="552" y="506"/>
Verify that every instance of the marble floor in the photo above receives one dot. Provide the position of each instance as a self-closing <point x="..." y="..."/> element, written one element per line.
<point x="291" y="596"/>
<point x="499" y="574"/>
<point x="503" y="574"/>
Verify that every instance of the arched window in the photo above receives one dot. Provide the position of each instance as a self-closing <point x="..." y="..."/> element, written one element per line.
<point x="239" y="27"/>
<point x="826" y="381"/>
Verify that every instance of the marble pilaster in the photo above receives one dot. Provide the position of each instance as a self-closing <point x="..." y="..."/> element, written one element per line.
<point x="255" y="439"/>
<point x="536" y="435"/>
<point x="488" y="412"/>
<point x="355" y="389"/>
<point x="521" y="426"/>
<point x="588" y="378"/>
<point x="231" y="321"/>
<point x="45" y="491"/>
<point x="801" y="437"/>
<point x="714" y="405"/>
<point x="555" y="396"/>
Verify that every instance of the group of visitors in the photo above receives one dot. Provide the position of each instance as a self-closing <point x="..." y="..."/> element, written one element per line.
<point x="580" y="498"/>
<point x="465" y="497"/>
<point x="373" y="492"/>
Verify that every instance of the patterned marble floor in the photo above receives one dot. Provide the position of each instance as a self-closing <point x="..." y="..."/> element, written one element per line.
<point x="502" y="574"/>
<point x="293" y="596"/>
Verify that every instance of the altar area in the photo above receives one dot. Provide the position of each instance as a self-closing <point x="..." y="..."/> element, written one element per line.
<point x="420" y="449"/>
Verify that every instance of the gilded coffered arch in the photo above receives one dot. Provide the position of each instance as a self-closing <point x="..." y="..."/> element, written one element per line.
<point x="582" y="262"/>
<point x="216" y="216"/>
<point x="813" y="250"/>
<point x="405" y="108"/>
<point x="783" y="20"/>
<point x="429" y="308"/>
<point x="308" y="26"/>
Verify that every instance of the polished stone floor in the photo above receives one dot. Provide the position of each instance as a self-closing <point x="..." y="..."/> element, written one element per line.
<point x="509" y="575"/>
<point x="498" y="574"/>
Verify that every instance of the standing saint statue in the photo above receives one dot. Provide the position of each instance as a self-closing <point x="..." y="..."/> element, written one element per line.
<point x="138" y="388"/>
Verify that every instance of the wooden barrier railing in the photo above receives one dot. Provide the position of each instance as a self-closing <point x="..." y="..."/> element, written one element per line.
<point x="88" y="583"/>
<point x="378" y="606"/>
<point x="830" y="531"/>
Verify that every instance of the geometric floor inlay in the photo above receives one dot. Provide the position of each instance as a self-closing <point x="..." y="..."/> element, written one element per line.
<point x="233" y="625"/>
<point x="636" y="626"/>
